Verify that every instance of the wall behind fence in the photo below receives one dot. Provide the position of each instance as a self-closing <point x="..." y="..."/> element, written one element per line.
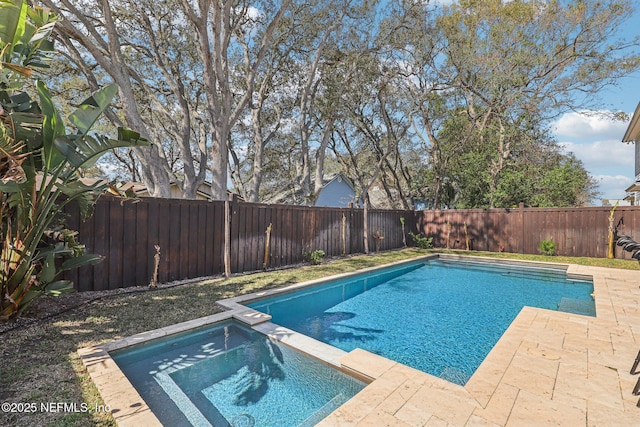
<point x="190" y="234"/>
<point x="575" y="231"/>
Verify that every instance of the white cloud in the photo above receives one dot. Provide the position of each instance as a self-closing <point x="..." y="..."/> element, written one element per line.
<point x="604" y="156"/>
<point x="612" y="186"/>
<point x="589" y="125"/>
<point x="596" y="139"/>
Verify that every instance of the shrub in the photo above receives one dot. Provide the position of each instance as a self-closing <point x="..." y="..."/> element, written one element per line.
<point x="315" y="257"/>
<point x="547" y="247"/>
<point x="421" y="242"/>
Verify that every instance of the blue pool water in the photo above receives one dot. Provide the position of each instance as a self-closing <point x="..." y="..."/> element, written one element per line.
<point x="441" y="317"/>
<point x="229" y="375"/>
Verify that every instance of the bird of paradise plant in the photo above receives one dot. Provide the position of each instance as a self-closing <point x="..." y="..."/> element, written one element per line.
<point x="40" y="160"/>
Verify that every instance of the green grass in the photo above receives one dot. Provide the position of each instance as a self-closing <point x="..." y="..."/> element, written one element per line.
<point x="40" y="363"/>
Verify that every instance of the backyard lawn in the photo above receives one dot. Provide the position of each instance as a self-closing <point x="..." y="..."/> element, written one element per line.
<point x="39" y="360"/>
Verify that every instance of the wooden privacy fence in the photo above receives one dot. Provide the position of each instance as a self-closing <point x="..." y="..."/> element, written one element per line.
<point x="575" y="231"/>
<point x="190" y="235"/>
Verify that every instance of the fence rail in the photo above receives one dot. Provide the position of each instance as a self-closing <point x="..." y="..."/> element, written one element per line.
<point x="575" y="231"/>
<point x="190" y="234"/>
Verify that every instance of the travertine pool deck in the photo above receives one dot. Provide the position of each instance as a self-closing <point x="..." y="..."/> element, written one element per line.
<point x="549" y="368"/>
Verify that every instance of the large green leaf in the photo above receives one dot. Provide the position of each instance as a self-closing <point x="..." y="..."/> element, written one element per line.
<point x="36" y="46"/>
<point x="43" y="23"/>
<point x="27" y="128"/>
<point x="92" y="108"/>
<point x="52" y="250"/>
<point x="52" y="127"/>
<point x="84" y="194"/>
<point x="73" y="187"/>
<point x="48" y="271"/>
<point x="9" y="187"/>
<point x="22" y="103"/>
<point x="88" y="259"/>
<point x="59" y="287"/>
<point x="85" y="151"/>
<point x="132" y="137"/>
<point x="13" y="15"/>
<point x="32" y="45"/>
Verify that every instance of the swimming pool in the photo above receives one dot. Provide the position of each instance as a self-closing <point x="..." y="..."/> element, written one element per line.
<point x="439" y="316"/>
<point x="229" y="375"/>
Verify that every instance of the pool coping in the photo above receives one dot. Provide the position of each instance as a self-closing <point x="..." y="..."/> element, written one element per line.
<point x="495" y="395"/>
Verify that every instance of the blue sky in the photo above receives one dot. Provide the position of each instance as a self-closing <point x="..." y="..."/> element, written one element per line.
<point x="597" y="141"/>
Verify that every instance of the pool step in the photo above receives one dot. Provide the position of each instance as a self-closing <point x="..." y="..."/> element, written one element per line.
<point x="518" y="271"/>
<point x="544" y="277"/>
<point x="577" y="306"/>
<point x="325" y="410"/>
<point x="454" y="375"/>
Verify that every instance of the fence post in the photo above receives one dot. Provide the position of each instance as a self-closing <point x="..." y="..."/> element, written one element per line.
<point x="365" y="225"/>
<point x="227" y="238"/>
<point x="344" y="234"/>
<point x="266" y="247"/>
<point x="521" y="208"/>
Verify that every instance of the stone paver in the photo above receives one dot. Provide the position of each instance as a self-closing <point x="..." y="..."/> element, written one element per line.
<point x="548" y="369"/>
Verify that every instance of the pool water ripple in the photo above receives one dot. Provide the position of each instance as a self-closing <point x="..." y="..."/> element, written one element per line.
<point x="439" y="317"/>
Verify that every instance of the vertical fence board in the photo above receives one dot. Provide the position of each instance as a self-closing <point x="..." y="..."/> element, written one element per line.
<point x="153" y="239"/>
<point x="82" y="280"/>
<point x="72" y="217"/>
<point x="191" y="235"/>
<point x="190" y="248"/>
<point x="163" y="224"/>
<point x="277" y="236"/>
<point x="200" y="240"/>
<point x="270" y="217"/>
<point x="116" y="245"/>
<point x="143" y="250"/>
<point x="130" y="220"/>
<point x="174" y="226"/>
<point x="212" y="263"/>
<point x="263" y="223"/>
<point x="241" y="238"/>
<point x="293" y="234"/>
<point x="255" y="232"/>
<point x="101" y="230"/>
<point x="217" y="239"/>
<point x="233" y="217"/>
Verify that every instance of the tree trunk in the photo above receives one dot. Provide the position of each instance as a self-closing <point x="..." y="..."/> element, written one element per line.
<point x="215" y="26"/>
<point x="108" y="55"/>
<point x="256" y="168"/>
<point x="320" y="156"/>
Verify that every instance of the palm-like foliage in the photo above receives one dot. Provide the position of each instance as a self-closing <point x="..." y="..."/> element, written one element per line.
<point x="40" y="160"/>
